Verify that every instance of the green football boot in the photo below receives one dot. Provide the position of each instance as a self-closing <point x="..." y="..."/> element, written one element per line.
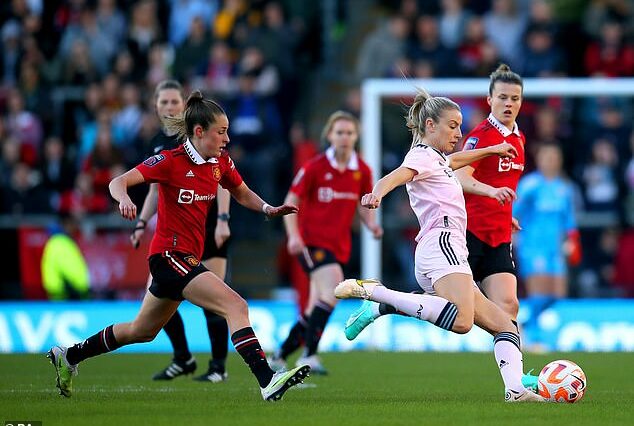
<point x="63" y="369"/>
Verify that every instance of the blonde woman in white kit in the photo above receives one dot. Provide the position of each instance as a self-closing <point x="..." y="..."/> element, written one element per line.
<point x="452" y="300"/>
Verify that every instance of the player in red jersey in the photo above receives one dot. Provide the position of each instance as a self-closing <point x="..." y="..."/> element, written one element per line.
<point x="170" y="101"/>
<point x="328" y="189"/>
<point x="489" y="187"/>
<point x="188" y="178"/>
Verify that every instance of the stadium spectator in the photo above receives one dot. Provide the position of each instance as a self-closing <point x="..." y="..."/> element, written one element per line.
<point x="82" y="199"/>
<point x="169" y="101"/>
<point x="78" y="68"/>
<point x="144" y="32"/>
<point x="183" y="12"/>
<point x="190" y="55"/>
<point x="610" y="55"/>
<point x="219" y="71"/>
<point x="177" y="274"/>
<point x="426" y="46"/>
<point x="101" y="46"/>
<point x="25" y="127"/>
<point x="476" y="53"/>
<point x="327" y="190"/>
<point x="10" y="57"/>
<point x="504" y="26"/>
<point x="451" y="300"/>
<point x="452" y="22"/>
<point x="381" y="48"/>
<point x="549" y="239"/>
<point x="111" y="20"/>
<point x="540" y="55"/>
<point x="599" y="178"/>
<point x="56" y="170"/>
<point x="256" y="134"/>
<point x="24" y="194"/>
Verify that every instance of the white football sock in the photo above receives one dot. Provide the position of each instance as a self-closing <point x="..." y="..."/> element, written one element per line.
<point x="426" y="307"/>
<point x="508" y="356"/>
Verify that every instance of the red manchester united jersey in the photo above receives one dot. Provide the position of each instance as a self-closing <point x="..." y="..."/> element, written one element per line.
<point x="487" y="219"/>
<point x="329" y="198"/>
<point x="187" y="187"/>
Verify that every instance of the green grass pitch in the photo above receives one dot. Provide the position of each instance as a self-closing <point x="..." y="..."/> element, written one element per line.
<point x="363" y="388"/>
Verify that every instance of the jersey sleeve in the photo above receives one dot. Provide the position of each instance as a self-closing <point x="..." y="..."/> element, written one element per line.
<point x="301" y="181"/>
<point x="231" y="177"/>
<point x="418" y="160"/>
<point x="157" y="168"/>
<point x="474" y="140"/>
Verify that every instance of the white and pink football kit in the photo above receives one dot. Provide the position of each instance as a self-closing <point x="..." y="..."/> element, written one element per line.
<point x="436" y="197"/>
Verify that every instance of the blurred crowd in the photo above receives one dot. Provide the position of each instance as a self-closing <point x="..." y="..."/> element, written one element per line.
<point x="77" y="78"/>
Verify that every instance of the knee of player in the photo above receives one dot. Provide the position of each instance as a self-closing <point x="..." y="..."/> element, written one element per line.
<point x="512" y="306"/>
<point x="462" y="325"/>
<point x="238" y="306"/>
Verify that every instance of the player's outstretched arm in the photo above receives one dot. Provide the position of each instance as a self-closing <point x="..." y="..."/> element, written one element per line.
<point x="119" y="191"/>
<point x="473" y="186"/>
<point x="460" y="159"/>
<point x="386" y="184"/>
<point x="249" y="199"/>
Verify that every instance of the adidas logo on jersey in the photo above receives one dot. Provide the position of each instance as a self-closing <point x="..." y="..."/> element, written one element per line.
<point x="189" y="174"/>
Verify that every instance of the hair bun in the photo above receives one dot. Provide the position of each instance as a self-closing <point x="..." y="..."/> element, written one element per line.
<point x="196" y="96"/>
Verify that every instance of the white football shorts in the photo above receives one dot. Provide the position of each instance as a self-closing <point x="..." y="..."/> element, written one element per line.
<point x="442" y="251"/>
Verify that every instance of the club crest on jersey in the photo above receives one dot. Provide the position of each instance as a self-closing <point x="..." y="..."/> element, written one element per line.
<point x="191" y="260"/>
<point x="215" y="171"/>
<point x="471" y="143"/>
<point x="153" y="160"/>
<point x="356" y="175"/>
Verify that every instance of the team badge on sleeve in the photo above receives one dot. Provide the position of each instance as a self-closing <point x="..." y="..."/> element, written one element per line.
<point x="153" y="160"/>
<point x="471" y="143"/>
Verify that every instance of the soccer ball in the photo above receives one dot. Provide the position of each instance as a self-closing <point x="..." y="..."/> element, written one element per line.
<point x="562" y="381"/>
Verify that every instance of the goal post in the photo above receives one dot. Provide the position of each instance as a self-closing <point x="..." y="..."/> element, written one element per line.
<point x="374" y="90"/>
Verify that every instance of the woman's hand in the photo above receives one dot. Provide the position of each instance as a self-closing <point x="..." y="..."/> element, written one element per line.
<point x="222" y="232"/>
<point x="504" y="150"/>
<point x="503" y="195"/>
<point x="127" y="208"/>
<point x="282" y="210"/>
<point x="370" y="201"/>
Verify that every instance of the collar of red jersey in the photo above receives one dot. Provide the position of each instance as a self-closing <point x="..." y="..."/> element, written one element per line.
<point x="353" y="163"/>
<point x="194" y="155"/>
<point x="502" y="128"/>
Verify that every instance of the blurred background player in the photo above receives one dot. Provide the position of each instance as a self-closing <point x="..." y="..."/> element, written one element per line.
<point x="451" y="301"/>
<point x="177" y="273"/>
<point x="327" y="189"/>
<point x="169" y="102"/>
<point x="549" y="237"/>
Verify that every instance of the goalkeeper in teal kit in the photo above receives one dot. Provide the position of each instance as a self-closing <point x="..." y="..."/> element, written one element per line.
<point x="549" y="239"/>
